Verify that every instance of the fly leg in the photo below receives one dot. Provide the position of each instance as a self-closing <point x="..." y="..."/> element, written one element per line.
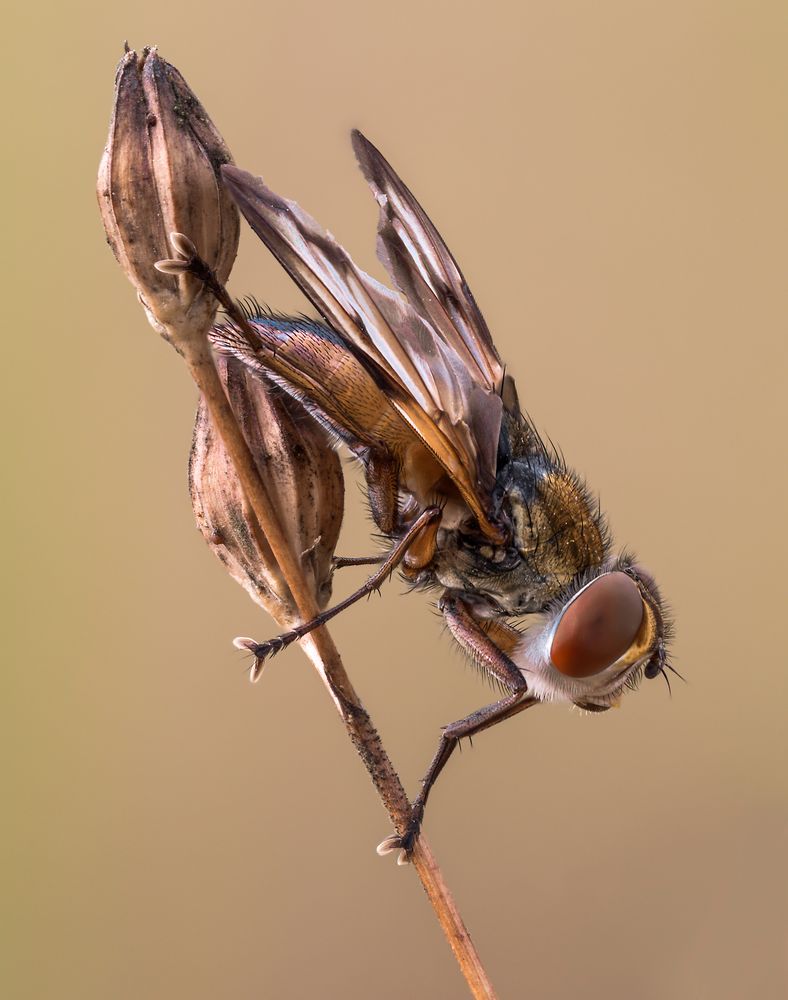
<point x="475" y="723"/>
<point x="340" y="562"/>
<point x="473" y="637"/>
<point x="381" y="469"/>
<point x="261" y="650"/>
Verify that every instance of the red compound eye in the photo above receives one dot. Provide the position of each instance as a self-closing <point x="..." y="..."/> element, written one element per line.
<point x="598" y="626"/>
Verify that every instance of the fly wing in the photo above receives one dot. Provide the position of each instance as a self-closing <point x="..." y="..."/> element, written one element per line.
<point x="428" y="383"/>
<point x="423" y="268"/>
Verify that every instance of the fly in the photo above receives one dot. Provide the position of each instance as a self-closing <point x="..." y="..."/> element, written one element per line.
<point x="476" y="505"/>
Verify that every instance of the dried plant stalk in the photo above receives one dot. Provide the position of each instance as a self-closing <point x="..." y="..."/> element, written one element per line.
<point x="159" y="174"/>
<point x="320" y="648"/>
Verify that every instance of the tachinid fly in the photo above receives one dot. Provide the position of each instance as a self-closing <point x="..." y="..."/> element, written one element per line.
<point x="475" y="504"/>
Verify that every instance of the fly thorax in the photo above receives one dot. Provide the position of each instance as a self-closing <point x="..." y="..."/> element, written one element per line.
<point x="556" y="525"/>
<point x="554" y="534"/>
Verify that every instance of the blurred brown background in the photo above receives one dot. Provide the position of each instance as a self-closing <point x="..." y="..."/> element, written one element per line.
<point x="613" y="178"/>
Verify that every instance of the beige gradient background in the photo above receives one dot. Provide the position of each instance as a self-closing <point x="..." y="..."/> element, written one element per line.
<point x="613" y="177"/>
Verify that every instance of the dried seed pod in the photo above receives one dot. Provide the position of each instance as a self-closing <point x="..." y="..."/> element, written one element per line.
<point x="160" y="173"/>
<point x="302" y="473"/>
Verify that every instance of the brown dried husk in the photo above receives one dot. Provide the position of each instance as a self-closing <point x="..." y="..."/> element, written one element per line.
<point x="159" y="174"/>
<point x="303" y="476"/>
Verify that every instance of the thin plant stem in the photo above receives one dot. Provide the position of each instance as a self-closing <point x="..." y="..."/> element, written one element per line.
<point x="319" y="646"/>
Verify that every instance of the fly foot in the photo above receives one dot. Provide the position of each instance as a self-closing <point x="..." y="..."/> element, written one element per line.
<point x="394" y="843"/>
<point x="262" y="650"/>
<point x="404" y="844"/>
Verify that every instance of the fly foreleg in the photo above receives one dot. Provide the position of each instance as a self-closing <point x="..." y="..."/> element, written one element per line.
<point x="476" y="641"/>
<point x="486" y="641"/>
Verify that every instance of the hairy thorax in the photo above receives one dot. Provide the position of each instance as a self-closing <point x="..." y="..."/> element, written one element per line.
<point x="555" y="532"/>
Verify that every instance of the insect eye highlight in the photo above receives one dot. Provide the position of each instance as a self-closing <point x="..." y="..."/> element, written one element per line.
<point x="598" y="626"/>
